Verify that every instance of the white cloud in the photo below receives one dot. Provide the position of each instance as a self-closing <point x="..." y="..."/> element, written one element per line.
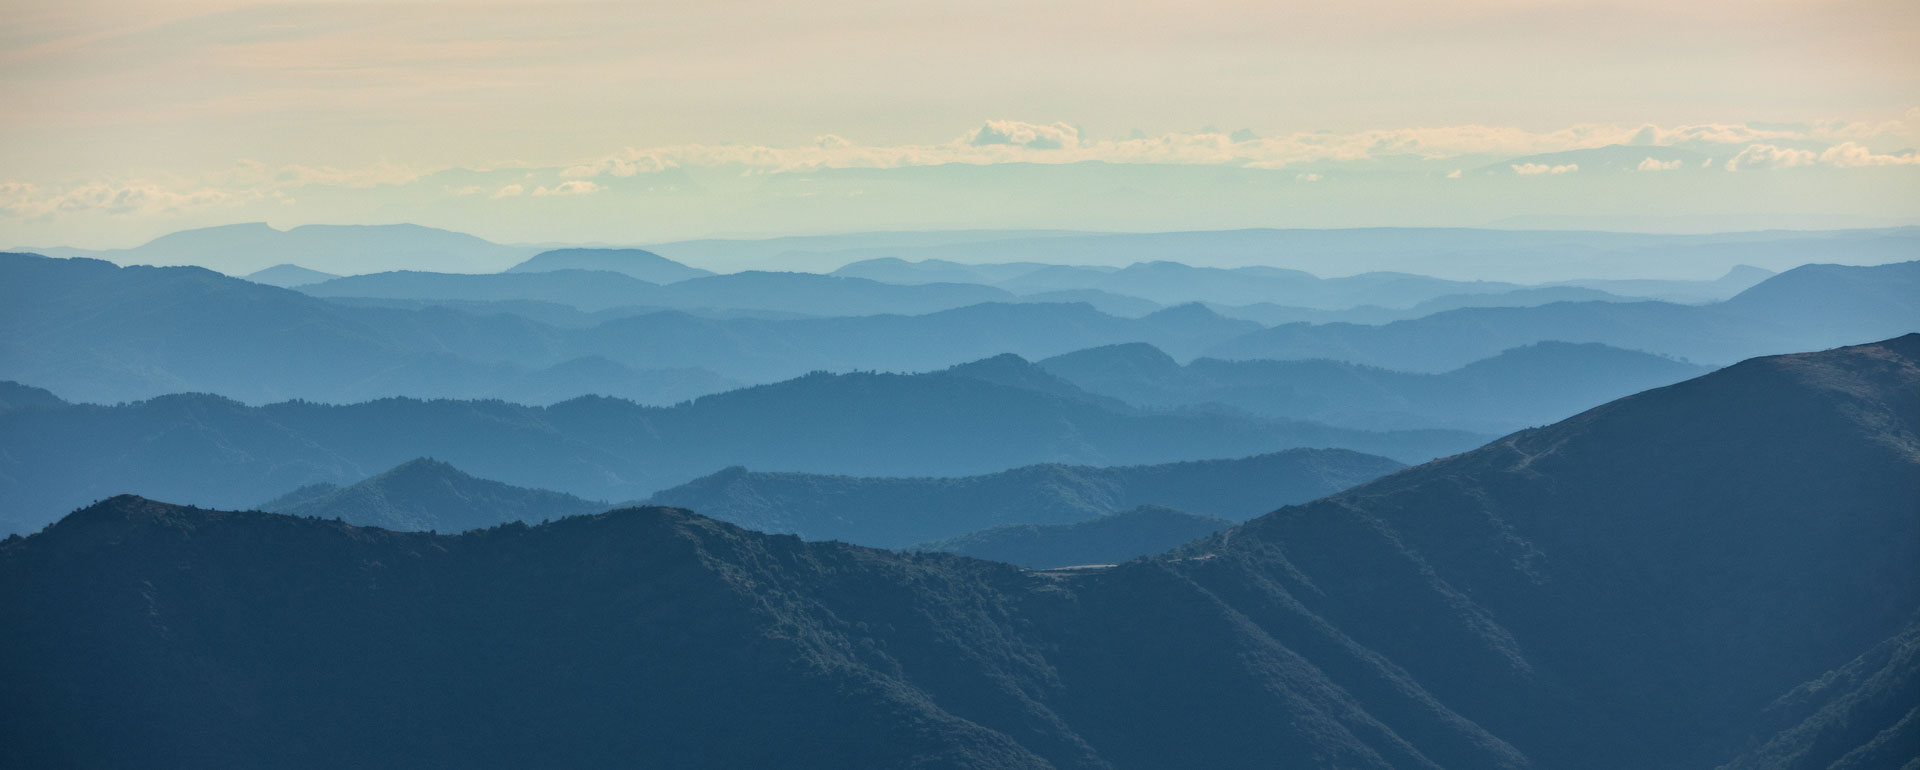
<point x="509" y="191"/>
<point x="1032" y="136"/>
<point x="575" y="187"/>
<point x="1853" y="155"/>
<point x="1309" y="177"/>
<point x="1454" y="174"/>
<point x="1769" y="156"/>
<point x="1649" y="164"/>
<point x="24" y="199"/>
<point x="1533" y="169"/>
<point x="625" y="163"/>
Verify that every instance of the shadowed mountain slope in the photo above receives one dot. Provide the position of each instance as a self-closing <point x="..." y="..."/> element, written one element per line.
<point x="1109" y="539"/>
<point x="423" y="495"/>
<point x="894" y="512"/>
<point x="1634" y="587"/>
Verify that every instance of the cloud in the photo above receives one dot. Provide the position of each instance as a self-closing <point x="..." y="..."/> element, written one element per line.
<point x="625" y="163"/>
<point x="1853" y="155"/>
<point x="1308" y="177"/>
<point x="509" y="191"/>
<point x="1533" y="169"/>
<point x="1033" y="136"/>
<point x="252" y="173"/>
<point x="1649" y="164"/>
<point x="24" y="199"/>
<point x="1769" y="156"/>
<point x="1454" y="174"/>
<point x="575" y="187"/>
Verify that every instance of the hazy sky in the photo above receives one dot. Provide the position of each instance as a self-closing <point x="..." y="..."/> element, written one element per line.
<point x="539" y="121"/>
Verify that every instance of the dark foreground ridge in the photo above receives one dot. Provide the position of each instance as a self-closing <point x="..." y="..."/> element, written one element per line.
<point x="1726" y="570"/>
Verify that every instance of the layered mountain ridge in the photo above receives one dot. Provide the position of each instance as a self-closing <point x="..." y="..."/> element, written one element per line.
<point x="1726" y="570"/>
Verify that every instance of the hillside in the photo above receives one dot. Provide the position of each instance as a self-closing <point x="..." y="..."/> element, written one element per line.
<point x="896" y="512"/>
<point x="220" y="452"/>
<point x="1109" y="539"/>
<point x="1580" y="596"/>
<point x="1531" y="385"/>
<point x="426" y="495"/>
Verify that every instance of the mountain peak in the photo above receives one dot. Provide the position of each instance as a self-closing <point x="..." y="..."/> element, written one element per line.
<point x="638" y="263"/>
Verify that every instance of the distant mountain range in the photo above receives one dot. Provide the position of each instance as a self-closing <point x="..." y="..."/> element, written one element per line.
<point x="1107" y="540"/>
<point x="1722" y="572"/>
<point x="427" y="495"/>
<point x="591" y="291"/>
<point x="220" y="452"/>
<point x="338" y="249"/>
<point x="1531" y="385"/>
<point x="1813" y="306"/>
<point x="897" y="512"/>
<point x="184" y="329"/>
<point x="1466" y="254"/>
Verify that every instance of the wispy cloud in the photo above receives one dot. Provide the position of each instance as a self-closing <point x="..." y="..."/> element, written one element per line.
<point x="1535" y="169"/>
<point x="1852" y="155"/>
<point x="1767" y="156"/>
<point x="1650" y="164"/>
<point x="572" y="187"/>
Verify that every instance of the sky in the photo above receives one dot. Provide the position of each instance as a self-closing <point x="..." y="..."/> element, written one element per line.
<point x="640" y="122"/>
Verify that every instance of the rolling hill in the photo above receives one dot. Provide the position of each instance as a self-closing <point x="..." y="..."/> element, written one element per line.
<point x="426" y="495"/>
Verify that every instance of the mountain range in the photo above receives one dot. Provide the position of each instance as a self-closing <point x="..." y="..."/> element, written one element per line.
<point x="90" y="331"/>
<point x="211" y="449"/>
<point x="251" y="247"/>
<point x="1808" y="307"/>
<point x="1531" y="385"/>
<point x="897" y="512"/>
<point x="1721" y="572"/>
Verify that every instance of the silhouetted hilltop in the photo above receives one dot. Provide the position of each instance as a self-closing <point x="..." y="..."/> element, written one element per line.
<point x="14" y="395"/>
<point x="1582" y="596"/>
<point x="288" y="276"/>
<point x="422" y="495"/>
<point x="635" y="263"/>
<point x="895" y="512"/>
<point x="1109" y="539"/>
